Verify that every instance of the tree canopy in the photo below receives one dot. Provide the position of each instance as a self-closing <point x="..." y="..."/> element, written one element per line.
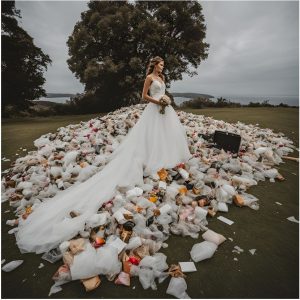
<point x="22" y="62"/>
<point x="112" y="43"/>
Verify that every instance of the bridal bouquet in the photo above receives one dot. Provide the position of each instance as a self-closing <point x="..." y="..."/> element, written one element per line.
<point x="164" y="101"/>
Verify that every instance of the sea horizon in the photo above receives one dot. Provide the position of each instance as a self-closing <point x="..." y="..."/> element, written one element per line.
<point x="242" y="99"/>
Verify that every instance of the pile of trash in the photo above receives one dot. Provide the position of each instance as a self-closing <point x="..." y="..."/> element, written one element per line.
<point x="124" y="238"/>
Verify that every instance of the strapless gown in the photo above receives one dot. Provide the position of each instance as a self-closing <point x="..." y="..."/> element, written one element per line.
<point x="156" y="141"/>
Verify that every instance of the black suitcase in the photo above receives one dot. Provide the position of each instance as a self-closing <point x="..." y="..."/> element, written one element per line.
<point x="227" y="141"/>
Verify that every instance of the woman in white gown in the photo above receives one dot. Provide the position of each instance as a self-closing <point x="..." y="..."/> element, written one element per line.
<point x="156" y="141"/>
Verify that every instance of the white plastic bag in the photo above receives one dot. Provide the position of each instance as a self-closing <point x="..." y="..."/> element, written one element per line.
<point x="177" y="288"/>
<point x="212" y="236"/>
<point x="203" y="250"/>
<point x="200" y="213"/>
<point x="12" y="265"/>
<point x="222" y="206"/>
<point x="134" y="242"/>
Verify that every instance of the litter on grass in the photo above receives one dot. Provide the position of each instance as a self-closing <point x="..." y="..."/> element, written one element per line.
<point x="12" y="265"/>
<point x="188" y="266"/>
<point x="252" y="251"/>
<point x="225" y="220"/>
<point x="293" y="219"/>
<point x="124" y="237"/>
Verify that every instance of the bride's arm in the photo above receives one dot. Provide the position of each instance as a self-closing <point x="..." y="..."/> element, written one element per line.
<point x="145" y="95"/>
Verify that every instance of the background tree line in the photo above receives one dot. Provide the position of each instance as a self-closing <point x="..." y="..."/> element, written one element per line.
<point x="200" y="102"/>
<point x="22" y="63"/>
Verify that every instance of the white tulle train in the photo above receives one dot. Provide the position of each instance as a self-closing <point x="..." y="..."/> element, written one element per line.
<point x="156" y="141"/>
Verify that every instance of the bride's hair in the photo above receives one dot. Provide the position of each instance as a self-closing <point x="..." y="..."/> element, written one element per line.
<point x="154" y="61"/>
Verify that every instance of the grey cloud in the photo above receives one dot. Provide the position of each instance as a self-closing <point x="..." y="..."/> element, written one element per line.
<point x="253" y="50"/>
<point x="254" y="46"/>
<point x="50" y="24"/>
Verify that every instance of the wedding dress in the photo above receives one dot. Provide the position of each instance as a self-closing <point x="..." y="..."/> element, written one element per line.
<point x="156" y="141"/>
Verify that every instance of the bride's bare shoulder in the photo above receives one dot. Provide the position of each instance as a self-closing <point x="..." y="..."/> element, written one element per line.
<point x="149" y="79"/>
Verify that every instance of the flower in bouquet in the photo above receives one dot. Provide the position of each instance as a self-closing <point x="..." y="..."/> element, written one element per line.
<point x="164" y="101"/>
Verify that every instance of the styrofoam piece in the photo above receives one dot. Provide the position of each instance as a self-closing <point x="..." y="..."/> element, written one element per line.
<point x="225" y="220"/>
<point x="187" y="266"/>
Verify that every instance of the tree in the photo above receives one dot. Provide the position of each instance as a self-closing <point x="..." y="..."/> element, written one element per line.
<point x="222" y="102"/>
<point x="112" y="43"/>
<point x="22" y="62"/>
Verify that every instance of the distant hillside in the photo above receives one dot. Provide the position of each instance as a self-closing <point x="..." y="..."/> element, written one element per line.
<point x="57" y="95"/>
<point x="191" y="95"/>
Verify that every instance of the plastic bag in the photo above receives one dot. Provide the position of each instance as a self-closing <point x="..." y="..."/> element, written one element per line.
<point x="134" y="242"/>
<point x="97" y="220"/>
<point x="76" y="246"/>
<point x="212" y="236"/>
<point x="135" y="192"/>
<point x="222" y="207"/>
<point x="55" y="288"/>
<point x="200" y="212"/>
<point x="203" y="251"/>
<point x="182" y="228"/>
<point x="84" y="264"/>
<point x="107" y="260"/>
<point x="177" y="288"/>
<point x="12" y="265"/>
<point x="62" y="274"/>
<point x="160" y="262"/>
<point x="146" y="278"/>
<point x="123" y="278"/>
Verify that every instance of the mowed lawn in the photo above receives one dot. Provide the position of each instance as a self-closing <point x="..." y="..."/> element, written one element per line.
<point x="272" y="272"/>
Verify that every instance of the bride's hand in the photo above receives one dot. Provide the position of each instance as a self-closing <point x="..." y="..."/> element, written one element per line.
<point x="166" y="99"/>
<point x="161" y="102"/>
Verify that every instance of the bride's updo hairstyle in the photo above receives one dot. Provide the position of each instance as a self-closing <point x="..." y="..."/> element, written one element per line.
<point x="153" y="62"/>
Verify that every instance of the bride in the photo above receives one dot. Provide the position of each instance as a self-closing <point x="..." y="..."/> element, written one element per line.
<point x="156" y="141"/>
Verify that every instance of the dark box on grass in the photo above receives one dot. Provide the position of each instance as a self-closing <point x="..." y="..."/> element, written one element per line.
<point x="227" y="141"/>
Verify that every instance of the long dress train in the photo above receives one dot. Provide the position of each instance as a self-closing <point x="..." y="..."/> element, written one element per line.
<point x="156" y="141"/>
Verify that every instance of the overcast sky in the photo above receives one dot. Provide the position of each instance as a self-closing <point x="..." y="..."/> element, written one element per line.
<point x="254" y="46"/>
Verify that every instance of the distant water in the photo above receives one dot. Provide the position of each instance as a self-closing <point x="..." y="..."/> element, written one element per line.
<point x="56" y="99"/>
<point x="275" y="100"/>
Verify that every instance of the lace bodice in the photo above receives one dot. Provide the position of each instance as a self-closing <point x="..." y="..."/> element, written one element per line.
<point x="157" y="89"/>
